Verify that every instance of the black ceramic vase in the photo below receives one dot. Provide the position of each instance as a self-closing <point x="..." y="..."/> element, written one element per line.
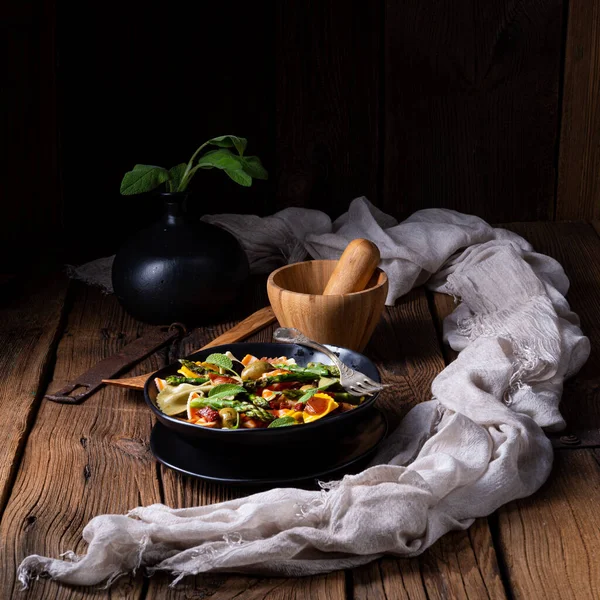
<point x="179" y="269"/>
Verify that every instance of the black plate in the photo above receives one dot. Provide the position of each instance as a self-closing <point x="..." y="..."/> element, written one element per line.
<point x="236" y="465"/>
<point x="315" y="433"/>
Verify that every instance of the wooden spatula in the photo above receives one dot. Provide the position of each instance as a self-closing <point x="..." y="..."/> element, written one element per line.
<point x="255" y="322"/>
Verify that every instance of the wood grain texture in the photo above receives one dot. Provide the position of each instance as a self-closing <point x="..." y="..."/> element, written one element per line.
<point x="346" y="320"/>
<point x="80" y="461"/>
<point x="550" y="540"/>
<point x="29" y="330"/>
<point x="405" y="349"/>
<point x="578" y="193"/>
<point x="577" y="247"/>
<point x="461" y="564"/>
<point x="471" y="105"/>
<point x="327" y="98"/>
<point x="29" y="134"/>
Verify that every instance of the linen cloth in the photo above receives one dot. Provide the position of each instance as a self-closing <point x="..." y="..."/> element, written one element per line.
<point x="478" y="444"/>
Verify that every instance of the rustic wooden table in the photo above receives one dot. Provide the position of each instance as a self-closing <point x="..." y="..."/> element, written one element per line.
<point x="62" y="465"/>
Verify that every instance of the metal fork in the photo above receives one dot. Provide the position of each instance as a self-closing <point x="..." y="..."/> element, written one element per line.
<point x="358" y="384"/>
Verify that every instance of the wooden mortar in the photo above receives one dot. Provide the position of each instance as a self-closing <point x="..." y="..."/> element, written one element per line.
<point x="311" y="296"/>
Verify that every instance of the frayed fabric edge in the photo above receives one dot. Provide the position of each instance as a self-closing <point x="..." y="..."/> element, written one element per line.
<point x="37" y="567"/>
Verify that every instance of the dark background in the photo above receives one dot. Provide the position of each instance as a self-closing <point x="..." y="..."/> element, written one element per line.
<point x="487" y="107"/>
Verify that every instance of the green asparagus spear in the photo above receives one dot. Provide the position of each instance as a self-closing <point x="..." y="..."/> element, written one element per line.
<point x="316" y="370"/>
<point x="332" y="370"/>
<point x="250" y="410"/>
<point x="192" y="366"/>
<point x="294" y="394"/>
<point x="258" y="401"/>
<point x="178" y="380"/>
<point x="302" y="377"/>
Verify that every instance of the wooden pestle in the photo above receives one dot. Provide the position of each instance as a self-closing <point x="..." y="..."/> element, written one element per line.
<point x="354" y="269"/>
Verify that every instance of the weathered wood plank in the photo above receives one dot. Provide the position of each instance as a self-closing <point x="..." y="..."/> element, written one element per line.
<point x="578" y="193"/>
<point x="327" y="98"/>
<point x="30" y="324"/>
<point x="31" y="213"/>
<point x="80" y="461"/>
<point x="577" y="247"/>
<point x="462" y="564"/>
<point x="406" y="351"/>
<point x="471" y="107"/>
<point x="550" y="540"/>
<point x="596" y="226"/>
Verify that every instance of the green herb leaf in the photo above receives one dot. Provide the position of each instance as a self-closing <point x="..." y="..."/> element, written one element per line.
<point x="176" y="175"/>
<point x="230" y="141"/>
<point x="143" y="178"/>
<point x="283" y="422"/>
<point x="309" y="394"/>
<point x="220" y="360"/>
<point x="219" y="159"/>
<point x="240" y="176"/>
<point x="253" y="167"/>
<point x="225" y="389"/>
<point x="324" y="383"/>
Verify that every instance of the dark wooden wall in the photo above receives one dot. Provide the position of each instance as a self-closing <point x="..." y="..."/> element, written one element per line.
<point x="488" y="107"/>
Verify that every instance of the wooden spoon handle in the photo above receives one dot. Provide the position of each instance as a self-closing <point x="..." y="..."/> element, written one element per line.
<point x="255" y="322"/>
<point x="354" y="269"/>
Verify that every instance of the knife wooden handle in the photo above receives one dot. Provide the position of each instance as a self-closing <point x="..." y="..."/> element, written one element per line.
<point x="255" y="322"/>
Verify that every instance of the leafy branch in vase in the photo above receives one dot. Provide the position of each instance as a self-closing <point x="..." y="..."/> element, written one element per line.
<point x="242" y="169"/>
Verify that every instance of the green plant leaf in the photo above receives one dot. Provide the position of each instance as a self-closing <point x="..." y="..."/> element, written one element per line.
<point x="220" y="159"/>
<point x="283" y="422"/>
<point x="254" y="168"/>
<point x="324" y="383"/>
<point x="175" y="176"/>
<point x="220" y="360"/>
<point x="225" y="390"/>
<point x="230" y="141"/>
<point x="143" y="178"/>
<point x="240" y="176"/>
